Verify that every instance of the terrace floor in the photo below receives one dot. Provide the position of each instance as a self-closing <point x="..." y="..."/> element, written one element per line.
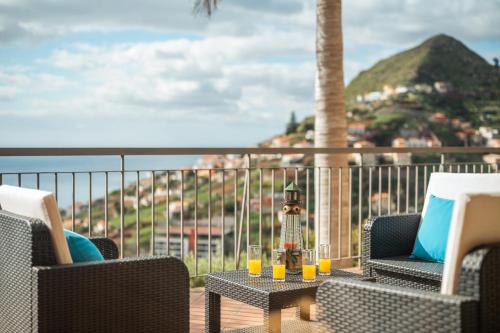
<point x="233" y="314"/>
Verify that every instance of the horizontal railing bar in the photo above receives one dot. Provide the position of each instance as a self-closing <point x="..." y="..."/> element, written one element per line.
<point x="243" y="151"/>
<point x="103" y="172"/>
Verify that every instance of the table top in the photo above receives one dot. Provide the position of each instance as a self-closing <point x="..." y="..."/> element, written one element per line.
<point x="265" y="284"/>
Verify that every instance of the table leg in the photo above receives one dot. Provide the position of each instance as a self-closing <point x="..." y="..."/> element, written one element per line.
<point x="272" y="320"/>
<point x="304" y="310"/>
<point x="212" y="312"/>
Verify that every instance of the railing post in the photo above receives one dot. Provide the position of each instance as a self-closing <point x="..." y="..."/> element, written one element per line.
<point x="90" y="203"/>
<point x="122" y="203"/>
<point x="441" y="163"/>
<point x="360" y="212"/>
<point x="244" y="204"/>
<point x="248" y="162"/>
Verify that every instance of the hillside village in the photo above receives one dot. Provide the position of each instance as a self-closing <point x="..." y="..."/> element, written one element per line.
<point x="363" y="129"/>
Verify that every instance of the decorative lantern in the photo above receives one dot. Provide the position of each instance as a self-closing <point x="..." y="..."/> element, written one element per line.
<point x="291" y="239"/>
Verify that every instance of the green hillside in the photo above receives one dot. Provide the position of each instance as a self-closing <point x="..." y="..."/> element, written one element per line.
<point x="439" y="58"/>
<point x="439" y="93"/>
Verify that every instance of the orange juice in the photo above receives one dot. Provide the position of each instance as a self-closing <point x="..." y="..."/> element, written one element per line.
<point x="279" y="272"/>
<point x="325" y="266"/>
<point x="254" y="267"/>
<point x="309" y="272"/>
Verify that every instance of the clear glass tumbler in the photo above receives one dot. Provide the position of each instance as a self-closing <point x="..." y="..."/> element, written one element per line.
<point x="254" y="261"/>
<point x="308" y="266"/>
<point x="325" y="262"/>
<point x="279" y="265"/>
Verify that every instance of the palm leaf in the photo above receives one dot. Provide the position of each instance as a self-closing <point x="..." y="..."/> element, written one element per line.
<point x="207" y="6"/>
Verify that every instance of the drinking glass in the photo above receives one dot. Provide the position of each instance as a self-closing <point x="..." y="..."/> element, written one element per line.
<point x="308" y="266"/>
<point x="325" y="263"/>
<point x="279" y="267"/>
<point x="254" y="262"/>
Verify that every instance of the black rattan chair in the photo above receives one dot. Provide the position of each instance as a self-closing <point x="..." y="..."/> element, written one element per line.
<point x="128" y="295"/>
<point x="387" y="244"/>
<point x="405" y="296"/>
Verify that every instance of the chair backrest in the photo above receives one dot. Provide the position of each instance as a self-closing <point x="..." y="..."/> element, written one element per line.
<point x="41" y="205"/>
<point x="475" y="222"/>
<point x="449" y="185"/>
<point x="24" y="242"/>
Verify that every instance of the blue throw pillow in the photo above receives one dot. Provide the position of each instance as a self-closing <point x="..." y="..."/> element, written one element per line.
<point x="81" y="248"/>
<point x="432" y="235"/>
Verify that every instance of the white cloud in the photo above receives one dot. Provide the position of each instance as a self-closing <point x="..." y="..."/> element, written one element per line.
<point x="252" y="61"/>
<point x="179" y="78"/>
<point x="405" y="22"/>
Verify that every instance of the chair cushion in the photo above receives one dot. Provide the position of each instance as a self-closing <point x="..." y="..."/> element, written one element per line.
<point x="432" y="235"/>
<point x="447" y="185"/>
<point x="409" y="266"/>
<point x="475" y="223"/>
<point x="40" y="205"/>
<point x="81" y="248"/>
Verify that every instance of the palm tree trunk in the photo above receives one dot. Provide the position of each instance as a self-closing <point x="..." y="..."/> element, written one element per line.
<point x="330" y="130"/>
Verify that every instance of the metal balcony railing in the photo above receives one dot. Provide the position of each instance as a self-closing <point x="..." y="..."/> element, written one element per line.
<point x="207" y="216"/>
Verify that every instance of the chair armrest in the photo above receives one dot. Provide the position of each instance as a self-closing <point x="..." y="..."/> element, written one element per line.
<point x="347" y="305"/>
<point x="106" y="246"/>
<point x="129" y="295"/>
<point x="389" y="236"/>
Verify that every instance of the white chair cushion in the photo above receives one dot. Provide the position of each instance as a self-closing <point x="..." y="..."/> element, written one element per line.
<point x="41" y="205"/>
<point x="449" y="185"/>
<point x="475" y="222"/>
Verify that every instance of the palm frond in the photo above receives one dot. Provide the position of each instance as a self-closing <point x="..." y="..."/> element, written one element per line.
<point x="207" y="6"/>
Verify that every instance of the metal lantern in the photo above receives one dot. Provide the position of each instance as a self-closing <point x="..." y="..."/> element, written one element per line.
<point x="291" y="239"/>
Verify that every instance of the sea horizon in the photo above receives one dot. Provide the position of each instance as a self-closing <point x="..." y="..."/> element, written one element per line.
<point x="29" y="166"/>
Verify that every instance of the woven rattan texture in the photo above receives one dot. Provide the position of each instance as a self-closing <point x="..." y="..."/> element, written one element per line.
<point x="406" y="272"/>
<point x="406" y="280"/>
<point x="359" y="306"/>
<point x="136" y="295"/>
<point x="479" y="279"/>
<point x="130" y="295"/>
<point x="261" y="291"/>
<point x="106" y="246"/>
<point x="15" y="274"/>
<point x="404" y="264"/>
<point x="388" y="236"/>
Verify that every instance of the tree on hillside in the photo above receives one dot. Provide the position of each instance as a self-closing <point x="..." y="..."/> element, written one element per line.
<point x="495" y="61"/>
<point x="330" y="122"/>
<point x="292" y="125"/>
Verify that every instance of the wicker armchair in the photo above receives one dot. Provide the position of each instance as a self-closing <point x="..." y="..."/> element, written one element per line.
<point x="128" y="295"/>
<point x="388" y="240"/>
<point x="364" y="306"/>
<point x="405" y="297"/>
<point x="387" y="244"/>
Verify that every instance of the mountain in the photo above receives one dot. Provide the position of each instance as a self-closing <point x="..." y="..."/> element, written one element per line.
<point x="439" y="58"/>
<point x="439" y="93"/>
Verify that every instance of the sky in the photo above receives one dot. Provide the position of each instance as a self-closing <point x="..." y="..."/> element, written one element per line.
<point x="152" y="73"/>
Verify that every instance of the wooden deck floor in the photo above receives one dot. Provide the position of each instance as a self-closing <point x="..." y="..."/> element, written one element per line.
<point x="233" y="314"/>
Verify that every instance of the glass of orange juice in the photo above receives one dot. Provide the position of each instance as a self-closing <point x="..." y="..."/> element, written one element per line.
<point x="254" y="260"/>
<point x="325" y="263"/>
<point x="278" y="262"/>
<point x="308" y="266"/>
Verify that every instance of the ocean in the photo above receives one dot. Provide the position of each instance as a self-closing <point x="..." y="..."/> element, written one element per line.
<point x="82" y="165"/>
